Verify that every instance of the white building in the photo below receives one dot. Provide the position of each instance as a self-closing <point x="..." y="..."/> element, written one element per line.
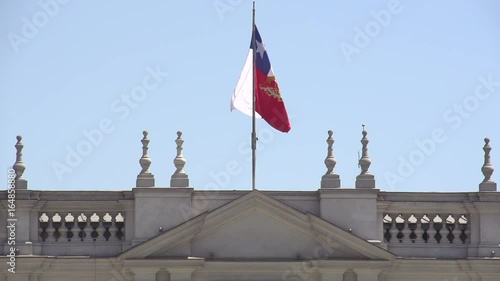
<point x="179" y="233"/>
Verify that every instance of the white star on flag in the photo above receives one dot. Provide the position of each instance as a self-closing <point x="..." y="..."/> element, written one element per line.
<point x="260" y="49"/>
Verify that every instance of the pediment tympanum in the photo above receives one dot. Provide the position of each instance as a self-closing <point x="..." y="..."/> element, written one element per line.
<point x="257" y="227"/>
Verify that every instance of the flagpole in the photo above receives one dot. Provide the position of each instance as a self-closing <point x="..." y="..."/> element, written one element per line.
<point x="254" y="134"/>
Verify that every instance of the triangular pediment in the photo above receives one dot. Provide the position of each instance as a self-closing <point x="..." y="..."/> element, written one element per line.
<point x="256" y="235"/>
<point x="256" y="226"/>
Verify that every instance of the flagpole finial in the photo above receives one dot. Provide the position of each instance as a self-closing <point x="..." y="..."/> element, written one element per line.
<point x="19" y="167"/>
<point x="365" y="179"/>
<point x="487" y="184"/>
<point x="179" y="178"/>
<point x="330" y="179"/>
<point x="145" y="178"/>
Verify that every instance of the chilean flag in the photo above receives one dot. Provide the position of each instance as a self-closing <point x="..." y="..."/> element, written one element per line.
<point x="269" y="103"/>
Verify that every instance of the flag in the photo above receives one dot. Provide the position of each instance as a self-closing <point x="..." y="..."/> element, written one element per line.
<point x="269" y="103"/>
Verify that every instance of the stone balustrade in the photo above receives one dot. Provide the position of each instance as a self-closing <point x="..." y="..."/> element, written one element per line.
<point x="79" y="227"/>
<point x="426" y="228"/>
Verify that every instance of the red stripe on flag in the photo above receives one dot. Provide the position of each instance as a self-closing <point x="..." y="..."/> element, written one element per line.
<point x="269" y="103"/>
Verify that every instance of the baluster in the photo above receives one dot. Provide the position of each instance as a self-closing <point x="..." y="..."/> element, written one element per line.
<point x="69" y="222"/>
<point x="400" y="226"/>
<point x="82" y="223"/>
<point x="463" y="225"/>
<point x="94" y="223"/>
<point x="427" y="226"/>
<point x="44" y="224"/>
<point x="119" y="224"/>
<point x="387" y="224"/>
<point x="107" y="222"/>
<point x="412" y="226"/>
<point x="450" y="227"/>
<point x="56" y="223"/>
<point x="438" y="226"/>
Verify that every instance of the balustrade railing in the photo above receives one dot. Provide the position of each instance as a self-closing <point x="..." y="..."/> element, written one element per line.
<point x="426" y="228"/>
<point x="81" y="226"/>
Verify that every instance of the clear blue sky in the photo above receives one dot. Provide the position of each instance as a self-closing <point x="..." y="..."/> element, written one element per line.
<point x="65" y="68"/>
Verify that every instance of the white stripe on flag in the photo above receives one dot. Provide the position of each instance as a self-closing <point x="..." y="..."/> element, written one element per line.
<point x="242" y="96"/>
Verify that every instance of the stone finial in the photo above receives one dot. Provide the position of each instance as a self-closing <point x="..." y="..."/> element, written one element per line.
<point x="330" y="179"/>
<point x="179" y="178"/>
<point x="19" y="166"/>
<point x="364" y="161"/>
<point x="365" y="179"/>
<point x="145" y="161"/>
<point x="330" y="160"/>
<point x="488" y="184"/>
<point x="145" y="178"/>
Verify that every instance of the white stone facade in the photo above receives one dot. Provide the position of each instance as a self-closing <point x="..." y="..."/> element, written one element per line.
<point x="180" y="233"/>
